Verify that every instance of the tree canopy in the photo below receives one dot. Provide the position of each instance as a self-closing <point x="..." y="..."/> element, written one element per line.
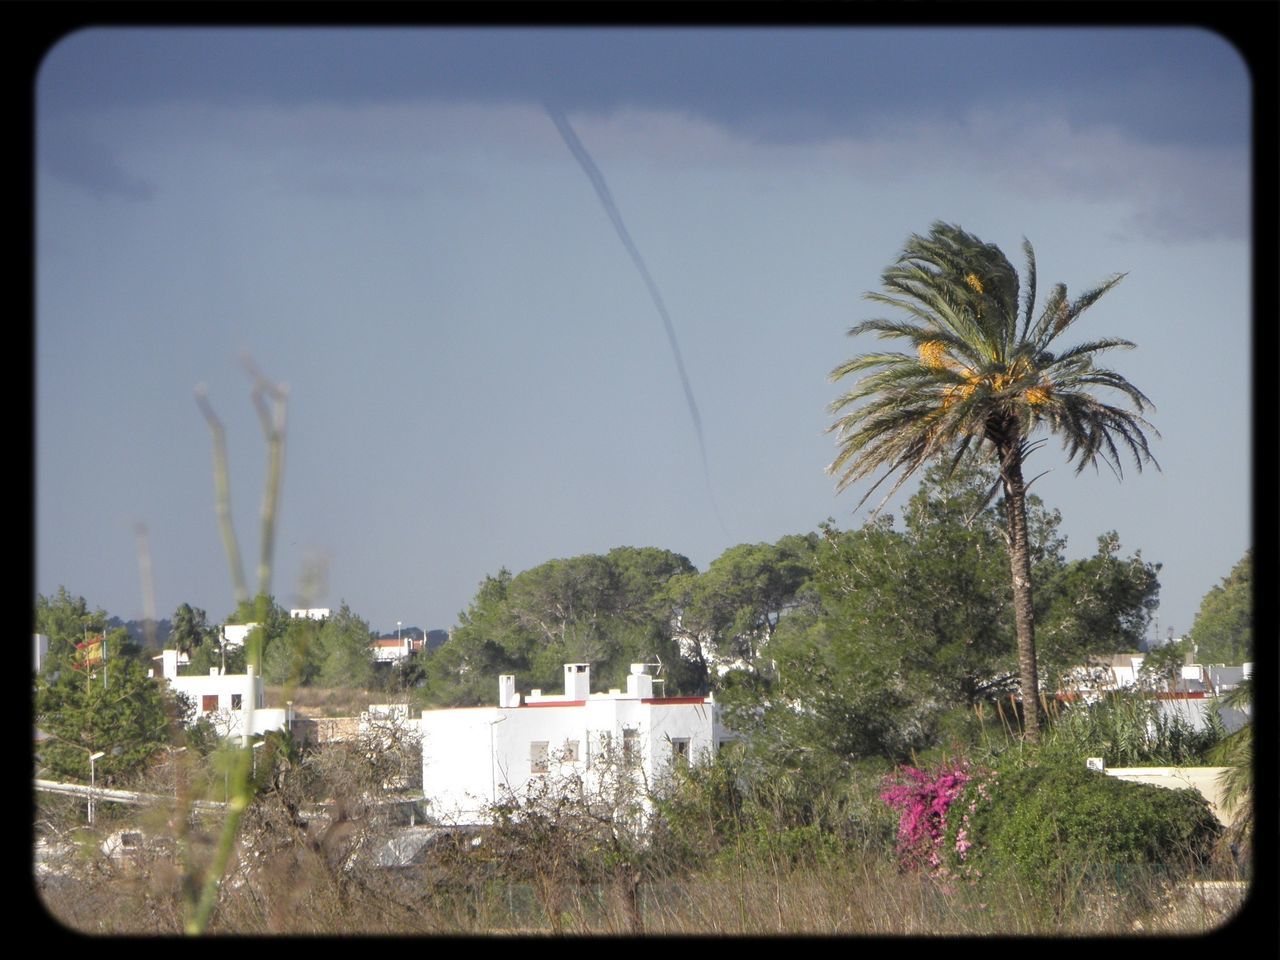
<point x="117" y="710"/>
<point x="608" y="610"/>
<point x="913" y="626"/>
<point x="66" y="620"/>
<point x="1223" y="628"/>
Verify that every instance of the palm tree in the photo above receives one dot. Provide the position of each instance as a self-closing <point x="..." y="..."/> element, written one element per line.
<point x="985" y="373"/>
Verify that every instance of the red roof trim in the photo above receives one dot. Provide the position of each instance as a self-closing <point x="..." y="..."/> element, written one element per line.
<point x="673" y="700"/>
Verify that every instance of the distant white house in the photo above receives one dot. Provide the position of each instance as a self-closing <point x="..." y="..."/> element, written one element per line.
<point x="1103" y="674"/>
<point x="475" y="756"/>
<point x="1192" y="696"/>
<point x="233" y="634"/>
<point x="1121" y="671"/>
<point x="235" y="703"/>
<point x="393" y="649"/>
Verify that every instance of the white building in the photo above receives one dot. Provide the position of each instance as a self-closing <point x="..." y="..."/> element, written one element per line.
<point x="391" y="649"/>
<point x="1103" y="674"/>
<point x="233" y="634"/>
<point x="1191" y="697"/>
<point x="473" y="757"/>
<point x="41" y="651"/>
<point x="1122" y="671"/>
<point x="235" y="703"/>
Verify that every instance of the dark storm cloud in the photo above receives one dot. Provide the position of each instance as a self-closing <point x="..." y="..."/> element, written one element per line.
<point x="788" y="85"/>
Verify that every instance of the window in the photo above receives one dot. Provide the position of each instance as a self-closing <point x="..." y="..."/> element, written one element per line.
<point x="236" y="701"/>
<point x="630" y="747"/>
<point x="571" y="751"/>
<point x="209" y="703"/>
<point x="538" y="756"/>
<point x="679" y="749"/>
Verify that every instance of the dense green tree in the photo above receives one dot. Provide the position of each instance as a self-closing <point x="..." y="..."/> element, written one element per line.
<point x="271" y="646"/>
<point x="1223" y="628"/>
<point x="608" y="610"/>
<point x="463" y="671"/>
<point x="119" y="711"/>
<point x="189" y="630"/>
<point x="66" y="620"/>
<point x="342" y="650"/>
<point x="986" y="373"/>
<point x="1099" y="604"/>
<point x="914" y="627"/>
<point x="290" y="649"/>
<point x="727" y="615"/>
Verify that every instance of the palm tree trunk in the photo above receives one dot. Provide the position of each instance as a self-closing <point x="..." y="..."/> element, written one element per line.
<point x="1024" y="616"/>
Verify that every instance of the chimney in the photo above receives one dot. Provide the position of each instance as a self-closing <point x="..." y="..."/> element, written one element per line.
<point x="507" y="696"/>
<point x="577" y="681"/>
<point x="169" y="664"/>
<point x="639" y="683"/>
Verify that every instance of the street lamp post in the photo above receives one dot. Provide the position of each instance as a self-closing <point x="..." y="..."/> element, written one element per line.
<point x="93" y="780"/>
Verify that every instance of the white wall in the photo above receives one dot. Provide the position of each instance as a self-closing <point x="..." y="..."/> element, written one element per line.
<point x="1195" y="712"/>
<point x="474" y="756"/>
<point x="228" y="719"/>
<point x="458" y="769"/>
<point x="233" y="634"/>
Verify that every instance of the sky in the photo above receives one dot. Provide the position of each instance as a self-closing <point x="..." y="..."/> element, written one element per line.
<point x="391" y="223"/>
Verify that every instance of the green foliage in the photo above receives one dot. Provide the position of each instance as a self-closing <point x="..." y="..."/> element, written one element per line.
<point x="1100" y="604"/>
<point x="1049" y="826"/>
<point x="65" y="620"/>
<point x="1235" y="752"/>
<point x="463" y="671"/>
<point x="119" y="711"/>
<point x="1223" y="628"/>
<point x="728" y="615"/>
<point x="981" y="373"/>
<point x="607" y="610"/>
<point x="1162" y="667"/>
<point x="272" y="645"/>
<point x="912" y="629"/>
<point x="1126" y="730"/>
<point x="342" y="650"/>
<point x="210" y="655"/>
<point x="740" y="815"/>
<point x="189" y="629"/>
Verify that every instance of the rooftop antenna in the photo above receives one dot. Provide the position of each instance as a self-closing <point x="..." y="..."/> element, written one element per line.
<point x="658" y="665"/>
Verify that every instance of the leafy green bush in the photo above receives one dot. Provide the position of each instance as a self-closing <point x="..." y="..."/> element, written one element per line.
<point x="1050" y="827"/>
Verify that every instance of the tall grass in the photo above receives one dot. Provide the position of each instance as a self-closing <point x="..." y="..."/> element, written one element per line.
<point x="863" y="896"/>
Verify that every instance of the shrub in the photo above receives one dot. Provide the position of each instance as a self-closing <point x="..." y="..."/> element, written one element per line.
<point x="1050" y="827"/>
<point x="923" y="800"/>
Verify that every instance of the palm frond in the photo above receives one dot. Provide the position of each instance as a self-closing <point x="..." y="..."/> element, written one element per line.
<point x="1029" y="297"/>
<point x="981" y="369"/>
